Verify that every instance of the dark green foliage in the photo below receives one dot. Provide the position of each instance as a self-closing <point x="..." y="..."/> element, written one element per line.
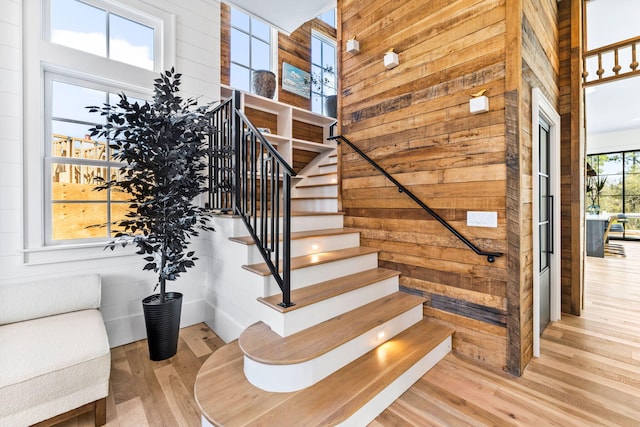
<point x="164" y="151"/>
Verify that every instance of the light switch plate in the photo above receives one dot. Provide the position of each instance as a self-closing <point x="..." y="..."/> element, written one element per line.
<point x="482" y="219"/>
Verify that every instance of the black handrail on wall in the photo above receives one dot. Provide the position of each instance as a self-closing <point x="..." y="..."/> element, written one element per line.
<point x="491" y="256"/>
<point x="245" y="174"/>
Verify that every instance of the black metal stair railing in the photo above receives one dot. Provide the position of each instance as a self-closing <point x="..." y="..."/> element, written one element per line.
<point x="249" y="178"/>
<point x="491" y="256"/>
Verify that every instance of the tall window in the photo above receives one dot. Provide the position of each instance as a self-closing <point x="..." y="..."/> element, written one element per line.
<point x="619" y="174"/>
<point x="250" y="48"/>
<point x="323" y="70"/>
<point x="87" y="52"/>
<point x="73" y="160"/>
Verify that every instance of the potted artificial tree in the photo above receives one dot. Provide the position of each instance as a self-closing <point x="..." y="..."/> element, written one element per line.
<point x="163" y="148"/>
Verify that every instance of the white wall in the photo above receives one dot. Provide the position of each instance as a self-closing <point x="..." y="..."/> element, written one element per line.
<point x="197" y="57"/>
<point x="626" y="140"/>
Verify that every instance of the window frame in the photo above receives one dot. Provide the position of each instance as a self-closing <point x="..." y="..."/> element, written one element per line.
<point x="50" y="159"/>
<point x="273" y="48"/>
<point x="123" y="11"/>
<point x="323" y="95"/>
<point x="41" y="56"/>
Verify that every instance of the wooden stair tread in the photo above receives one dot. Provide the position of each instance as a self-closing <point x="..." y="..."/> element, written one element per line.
<point x="225" y="397"/>
<point x="314" y="259"/>
<point x="298" y="235"/>
<point x="309" y="295"/>
<point x="329" y="184"/>
<point x="324" y="165"/>
<point x="313" y="213"/>
<point x="261" y="344"/>
<point x="314" y="197"/>
<point x="322" y="174"/>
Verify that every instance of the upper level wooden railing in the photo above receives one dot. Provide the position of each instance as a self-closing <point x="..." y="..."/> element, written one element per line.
<point x="611" y="62"/>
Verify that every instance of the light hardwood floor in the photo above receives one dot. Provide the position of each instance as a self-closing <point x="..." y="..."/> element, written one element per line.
<point x="588" y="374"/>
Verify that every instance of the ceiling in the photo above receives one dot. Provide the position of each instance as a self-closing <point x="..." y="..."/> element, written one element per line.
<point x="614" y="106"/>
<point x="285" y="15"/>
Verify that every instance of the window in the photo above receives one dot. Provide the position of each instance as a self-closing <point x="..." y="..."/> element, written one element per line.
<point x="80" y="53"/>
<point x="329" y="17"/>
<point x="323" y="71"/>
<point x="101" y="32"/>
<point x="74" y="160"/>
<point x="250" y="48"/>
<point x="619" y="175"/>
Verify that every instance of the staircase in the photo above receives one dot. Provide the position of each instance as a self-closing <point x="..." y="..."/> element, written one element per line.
<point x="350" y="345"/>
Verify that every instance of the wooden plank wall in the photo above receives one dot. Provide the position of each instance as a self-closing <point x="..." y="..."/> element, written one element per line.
<point x="414" y="121"/>
<point x="572" y="155"/>
<point x="541" y="69"/>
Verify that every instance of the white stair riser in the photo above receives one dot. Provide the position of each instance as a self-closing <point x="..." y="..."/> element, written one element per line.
<point x="330" y="190"/>
<point x="287" y="378"/>
<point x="303" y="223"/>
<point x="328" y="168"/>
<point x="305" y="317"/>
<point x="311" y="245"/>
<point x="315" y="205"/>
<point x="313" y="274"/>
<point x="367" y="413"/>
<point x="322" y="179"/>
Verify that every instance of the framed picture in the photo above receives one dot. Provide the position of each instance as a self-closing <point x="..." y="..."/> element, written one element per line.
<point x="295" y="80"/>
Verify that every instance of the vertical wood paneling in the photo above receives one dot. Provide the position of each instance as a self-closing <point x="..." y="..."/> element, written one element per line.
<point x="572" y="155"/>
<point x="225" y="44"/>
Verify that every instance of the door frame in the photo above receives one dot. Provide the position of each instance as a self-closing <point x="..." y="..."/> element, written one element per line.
<point x="541" y="107"/>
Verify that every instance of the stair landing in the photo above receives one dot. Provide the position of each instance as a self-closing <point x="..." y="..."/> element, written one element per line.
<point x="350" y="396"/>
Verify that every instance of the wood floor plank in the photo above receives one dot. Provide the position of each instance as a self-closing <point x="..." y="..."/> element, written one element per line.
<point x="179" y="397"/>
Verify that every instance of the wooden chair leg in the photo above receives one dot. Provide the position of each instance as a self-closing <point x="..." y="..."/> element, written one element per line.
<point x="101" y="411"/>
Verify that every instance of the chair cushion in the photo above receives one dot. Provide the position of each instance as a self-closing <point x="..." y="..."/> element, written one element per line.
<point x="46" y="297"/>
<point x="62" y="359"/>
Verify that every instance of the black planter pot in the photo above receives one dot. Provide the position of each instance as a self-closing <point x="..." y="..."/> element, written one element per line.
<point x="163" y="324"/>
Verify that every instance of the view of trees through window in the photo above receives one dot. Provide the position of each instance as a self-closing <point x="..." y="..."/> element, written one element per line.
<point x="619" y="175"/>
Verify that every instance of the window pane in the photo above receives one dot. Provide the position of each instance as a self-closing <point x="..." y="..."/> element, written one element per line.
<point x="76" y="182"/>
<point x="240" y="20"/>
<point x="240" y="78"/>
<point x="72" y="140"/>
<point x="259" y="55"/>
<point x="118" y="213"/>
<point x="316" y="103"/>
<point x="239" y="47"/>
<point x="328" y="55"/>
<point x="260" y="29"/>
<point x="79" y="26"/>
<point x="70" y="102"/>
<point x="316" y="51"/>
<point x="130" y="42"/>
<point x="611" y="204"/>
<point x="73" y="220"/>
<point x="329" y="17"/>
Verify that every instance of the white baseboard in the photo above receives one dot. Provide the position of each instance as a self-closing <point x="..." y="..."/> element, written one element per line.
<point x="129" y="329"/>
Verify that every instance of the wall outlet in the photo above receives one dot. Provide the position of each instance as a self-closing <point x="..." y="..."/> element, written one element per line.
<point x="482" y="219"/>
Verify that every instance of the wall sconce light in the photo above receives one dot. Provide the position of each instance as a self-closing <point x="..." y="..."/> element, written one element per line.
<point x="353" y="45"/>
<point x="479" y="103"/>
<point x="391" y="59"/>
